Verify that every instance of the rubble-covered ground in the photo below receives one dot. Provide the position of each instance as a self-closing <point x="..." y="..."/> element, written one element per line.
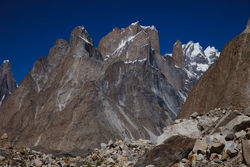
<point x="119" y="153"/>
<point x="218" y="138"/>
<point x="222" y="138"/>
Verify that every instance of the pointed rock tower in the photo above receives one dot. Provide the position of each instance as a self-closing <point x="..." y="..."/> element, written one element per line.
<point x="178" y="54"/>
<point x="7" y="82"/>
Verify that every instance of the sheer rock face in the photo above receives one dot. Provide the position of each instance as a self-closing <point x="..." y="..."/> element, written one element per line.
<point x="48" y="103"/>
<point x="74" y="100"/>
<point x="7" y="82"/>
<point x="80" y="97"/>
<point x="227" y="82"/>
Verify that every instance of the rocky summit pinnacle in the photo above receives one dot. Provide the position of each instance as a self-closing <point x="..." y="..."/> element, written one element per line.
<point x="178" y="54"/>
<point x="80" y="33"/>
<point x="129" y="43"/>
<point x="247" y="30"/>
<point x="81" y="96"/>
<point x="7" y="82"/>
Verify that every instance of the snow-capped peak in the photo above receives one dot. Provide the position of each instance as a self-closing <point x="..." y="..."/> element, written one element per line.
<point x="137" y="22"/>
<point x="197" y="48"/>
<point x="211" y="50"/>
<point x="192" y="49"/>
<point x="150" y="27"/>
<point x="82" y="27"/>
<point x="6" y="61"/>
<point x="144" y="27"/>
<point x="197" y="60"/>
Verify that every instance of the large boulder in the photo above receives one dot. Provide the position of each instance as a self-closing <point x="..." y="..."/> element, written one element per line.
<point x="237" y="124"/>
<point x="168" y="153"/>
<point x="246" y="151"/>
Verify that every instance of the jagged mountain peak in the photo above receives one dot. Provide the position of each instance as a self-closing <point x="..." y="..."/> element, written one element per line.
<point x="81" y="44"/>
<point x="192" y="43"/>
<point x="192" y="49"/>
<point x="6" y="62"/>
<point x="5" y="68"/>
<point x="137" y="23"/>
<point x="7" y="82"/>
<point x="127" y="43"/>
<point x="211" y="53"/>
<point x="192" y="58"/>
<point x="57" y="52"/>
<point x="61" y="42"/>
<point x="197" y="60"/>
<point x="6" y="65"/>
<point x="192" y="61"/>
<point x="177" y="54"/>
<point x="211" y="48"/>
<point x="80" y="33"/>
<point x="178" y="42"/>
<point x="247" y="29"/>
<point x="73" y="100"/>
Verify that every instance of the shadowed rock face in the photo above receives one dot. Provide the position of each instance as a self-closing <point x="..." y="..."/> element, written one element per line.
<point x="7" y="82"/>
<point x="80" y="97"/>
<point x="227" y="82"/>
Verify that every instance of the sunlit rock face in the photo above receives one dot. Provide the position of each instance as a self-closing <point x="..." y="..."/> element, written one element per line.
<point x="81" y="96"/>
<point x="129" y="43"/>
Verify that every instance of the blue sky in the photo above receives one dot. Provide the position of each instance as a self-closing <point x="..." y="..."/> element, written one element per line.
<point x="29" y="28"/>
